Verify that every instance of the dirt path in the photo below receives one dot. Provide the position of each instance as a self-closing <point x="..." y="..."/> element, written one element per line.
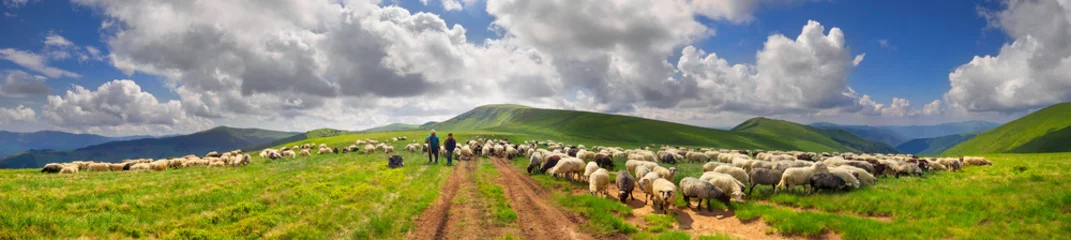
<point x="459" y="213"/>
<point x="538" y="218"/>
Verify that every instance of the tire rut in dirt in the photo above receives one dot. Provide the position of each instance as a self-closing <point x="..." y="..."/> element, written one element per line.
<point x="435" y="220"/>
<point x="539" y="219"/>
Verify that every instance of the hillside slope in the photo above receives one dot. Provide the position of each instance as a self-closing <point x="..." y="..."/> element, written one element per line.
<point x="1046" y="130"/>
<point x="392" y="127"/>
<point x="830" y="140"/>
<point x="15" y="142"/>
<point x="318" y="133"/>
<point x="565" y="124"/>
<point x="936" y="145"/>
<point x="896" y="135"/>
<point x="216" y="139"/>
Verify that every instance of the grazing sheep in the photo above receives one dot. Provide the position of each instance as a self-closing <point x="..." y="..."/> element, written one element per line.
<point x="907" y="169"/>
<point x="369" y="149"/>
<point x="826" y="181"/>
<point x="158" y="165"/>
<point x="116" y="166"/>
<point x="736" y="172"/>
<point x="549" y="163"/>
<point x="597" y="182"/>
<point x="799" y="176"/>
<point x="99" y="167"/>
<point x="844" y="174"/>
<point x="590" y="168"/>
<point x="69" y="169"/>
<point x="642" y="171"/>
<point x="395" y="161"/>
<point x="975" y="161"/>
<point x="667" y="158"/>
<point x="727" y="183"/>
<point x="631" y="165"/>
<point x="764" y="176"/>
<point x="710" y="166"/>
<point x="52" y="168"/>
<point x="219" y="163"/>
<point x="664" y="190"/>
<point x="569" y="168"/>
<point x="141" y="167"/>
<point x="604" y="161"/>
<point x="646" y="184"/>
<point x="863" y="165"/>
<point x="697" y="157"/>
<point x="625" y="184"/>
<point x="694" y="188"/>
<point x="534" y="162"/>
<point x="865" y="178"/>
<point x="666" y="173"/>
<point x="212" y="154"/>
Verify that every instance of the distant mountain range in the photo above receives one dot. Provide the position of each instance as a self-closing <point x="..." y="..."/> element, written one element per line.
<point x="896" y="135"/>
<point x="1046" y="130"/>
<point x="934" y="145"/>
<point x="392" y="127"/>
<point x="15" y="142"/>
<point x="216" y="139"/>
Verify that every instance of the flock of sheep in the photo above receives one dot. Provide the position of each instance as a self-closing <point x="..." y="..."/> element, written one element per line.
<point x="304" y="150"/>
<point x="726" y="173"/>
<point x="212" y="159"/>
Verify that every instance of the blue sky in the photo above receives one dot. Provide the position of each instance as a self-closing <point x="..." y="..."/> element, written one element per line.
<point x="910" y="48"/>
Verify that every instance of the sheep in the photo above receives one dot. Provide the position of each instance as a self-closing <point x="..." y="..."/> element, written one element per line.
<point x="590" y="168"/>
<point x="177" y="163"/>
<point x="863" y="165"/>
<point x="697" y="157"/>
<point x="865" y="178"/>
<point x="568" y="168"/>
<point x="666" y="173"/>
<point x="646" y="185"/>
<point x="219" y="163"/>
<point x="625" y="184"/>
<point x="907" y="169"/>
<point x="550" y="162"/>
<point x="736" y="172"/>
<point x="727" y="183"/>
<point x="140" y="167"/>
<point x="694" y="188"/>
<point x="597" y="182"/>
<point x="52" y="168"/>
<point x="604" y="161"/>
<point x="642" y="171"/>
<point x="158" y="165"/>
<point x="631" y="165"/>
<point x="664" y="190"/>
<point x="390" y="149"/>
<point x="395" y="161"/>
<point x="710" y="166"/>
<point x="763" y="176"/>
<point x="100" y="167"/>
<point x="116" y="166"/>
<point x="212" y="154"/>
<point x="953" y="164"/>
<point x="667" y="158"/>
<point x="799" y="176"/>
<point x="534" y="162"/>
<point x="69" y="169"/>
<point x="975" y="161"/>
<point x="827" y="181"/>
<point x="844" y="174"/>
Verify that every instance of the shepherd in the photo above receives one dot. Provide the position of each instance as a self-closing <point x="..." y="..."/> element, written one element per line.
<point x="433" y="146"/>
<point x="451" y="144"/>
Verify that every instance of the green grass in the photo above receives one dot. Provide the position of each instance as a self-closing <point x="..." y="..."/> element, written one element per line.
<point x="1046" y="130"/>
<point x="498" y="203"/>
<point x="323" y="196"/>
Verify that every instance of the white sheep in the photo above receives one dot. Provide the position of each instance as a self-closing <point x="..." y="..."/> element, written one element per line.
<point x="598" y="181"/>
<point x="69" y="169"/>
<point x="727" y="183"/>
<point x="799" y="176"/>
<point x="589" y="169"/>
<point x="664" y="190"/>
<point x="865" y="178"/>
<point x="666" y="173"/>
<point x="642" y="171"/>
<point x="846" y="175"/>
<point x="631" y="165"/>
<point x="369" y="149"/>
<point x="646" y="184"/>
<point x="710" y="166"/>
<point x="568" y="168"/>
<point x="736" y="172"/>
<point x="97" y="167"/>
<point x="158" y="165"/>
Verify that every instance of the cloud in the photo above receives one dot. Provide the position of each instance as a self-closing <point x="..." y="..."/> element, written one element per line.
<point x="15" y="3"/>
<point x="118" y="105"/>
<point x="933" y="108"/>
<point x="19" y="83"/>
<point x="56" y="40"/>
<point x="858" y="59"/>
<point x="34" y="62"/>
<point x="17" y="114"/>
<point x="1028" y="73"/>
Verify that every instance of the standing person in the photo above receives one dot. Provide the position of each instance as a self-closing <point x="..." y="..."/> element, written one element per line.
<point x="433" y="146"/>
<point x="451" y="144"/>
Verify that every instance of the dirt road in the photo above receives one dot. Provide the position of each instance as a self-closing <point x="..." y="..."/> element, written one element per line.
<point x="540" y="219"/>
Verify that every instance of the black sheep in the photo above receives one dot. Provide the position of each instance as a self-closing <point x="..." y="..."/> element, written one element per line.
<point x="826" y="181"/>
<point x="604" y="161"/>
<point x="668" y="158"/>
<point x="127" y="166"/>
<point x="764" y="176"/>
<point x="336" y="151"/>
<point x="395" y="161"/>
<point x="625" y="184"/>
<point x="52" y="169"/>
<point x="572" y="151"/>
<point x="551" y="161"/>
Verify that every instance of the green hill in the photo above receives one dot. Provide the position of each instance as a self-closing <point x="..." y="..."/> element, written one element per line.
<point x="896" y="135"/>
<point x="1046" y="130"/>
<point x="936" y="145"/>
<point x="216" y="139"/>
<point x="392" y="127"/>
<point x="318" y="133"/>
<point x="598" y="127"/>
<point x="829" y="140"/>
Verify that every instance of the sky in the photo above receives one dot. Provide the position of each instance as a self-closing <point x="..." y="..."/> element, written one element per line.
<point x="159" y="67"/>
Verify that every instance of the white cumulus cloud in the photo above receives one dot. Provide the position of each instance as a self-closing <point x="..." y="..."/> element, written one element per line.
<point x="17" y="114"/>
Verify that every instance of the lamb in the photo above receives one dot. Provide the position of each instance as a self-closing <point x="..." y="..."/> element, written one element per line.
<point x="69" y="169"/>
<point x="710" y="166"/>
<point x="764" y="176"/>
<point x="799" y="176"/>
<point x="604" y="161"/>
<point x="100" y="167"/>
<point x="826" y="181"/>
<point x="666" y="173"/>
<point x="625" y="184"/>
<point x="736" y="172"/>
<point x="726" y="183"/>
<point x="550" y="163"/>
<point x="664" y="190"/>
<point x="590" y="168"/>
<point x="597" y="182"/>
<point x="975" y="161"/>
<point x="568" y="168"/>
<point x="646" y="185"/>
<point x="694" y="188"/>
<point x="52" y="168"/>
<point x="395" y="161"/>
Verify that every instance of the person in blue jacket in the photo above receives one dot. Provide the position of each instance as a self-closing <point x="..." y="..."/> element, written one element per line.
<point x="433" y="146"/>
<point x="450" y="145"/>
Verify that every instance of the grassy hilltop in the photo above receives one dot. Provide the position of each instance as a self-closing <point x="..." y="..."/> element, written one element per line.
<point x="1046" y="130"/>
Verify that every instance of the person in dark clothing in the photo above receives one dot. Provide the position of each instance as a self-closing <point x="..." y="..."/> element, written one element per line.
<point x="450" y="145"/>
<point x="433" y="147"/>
